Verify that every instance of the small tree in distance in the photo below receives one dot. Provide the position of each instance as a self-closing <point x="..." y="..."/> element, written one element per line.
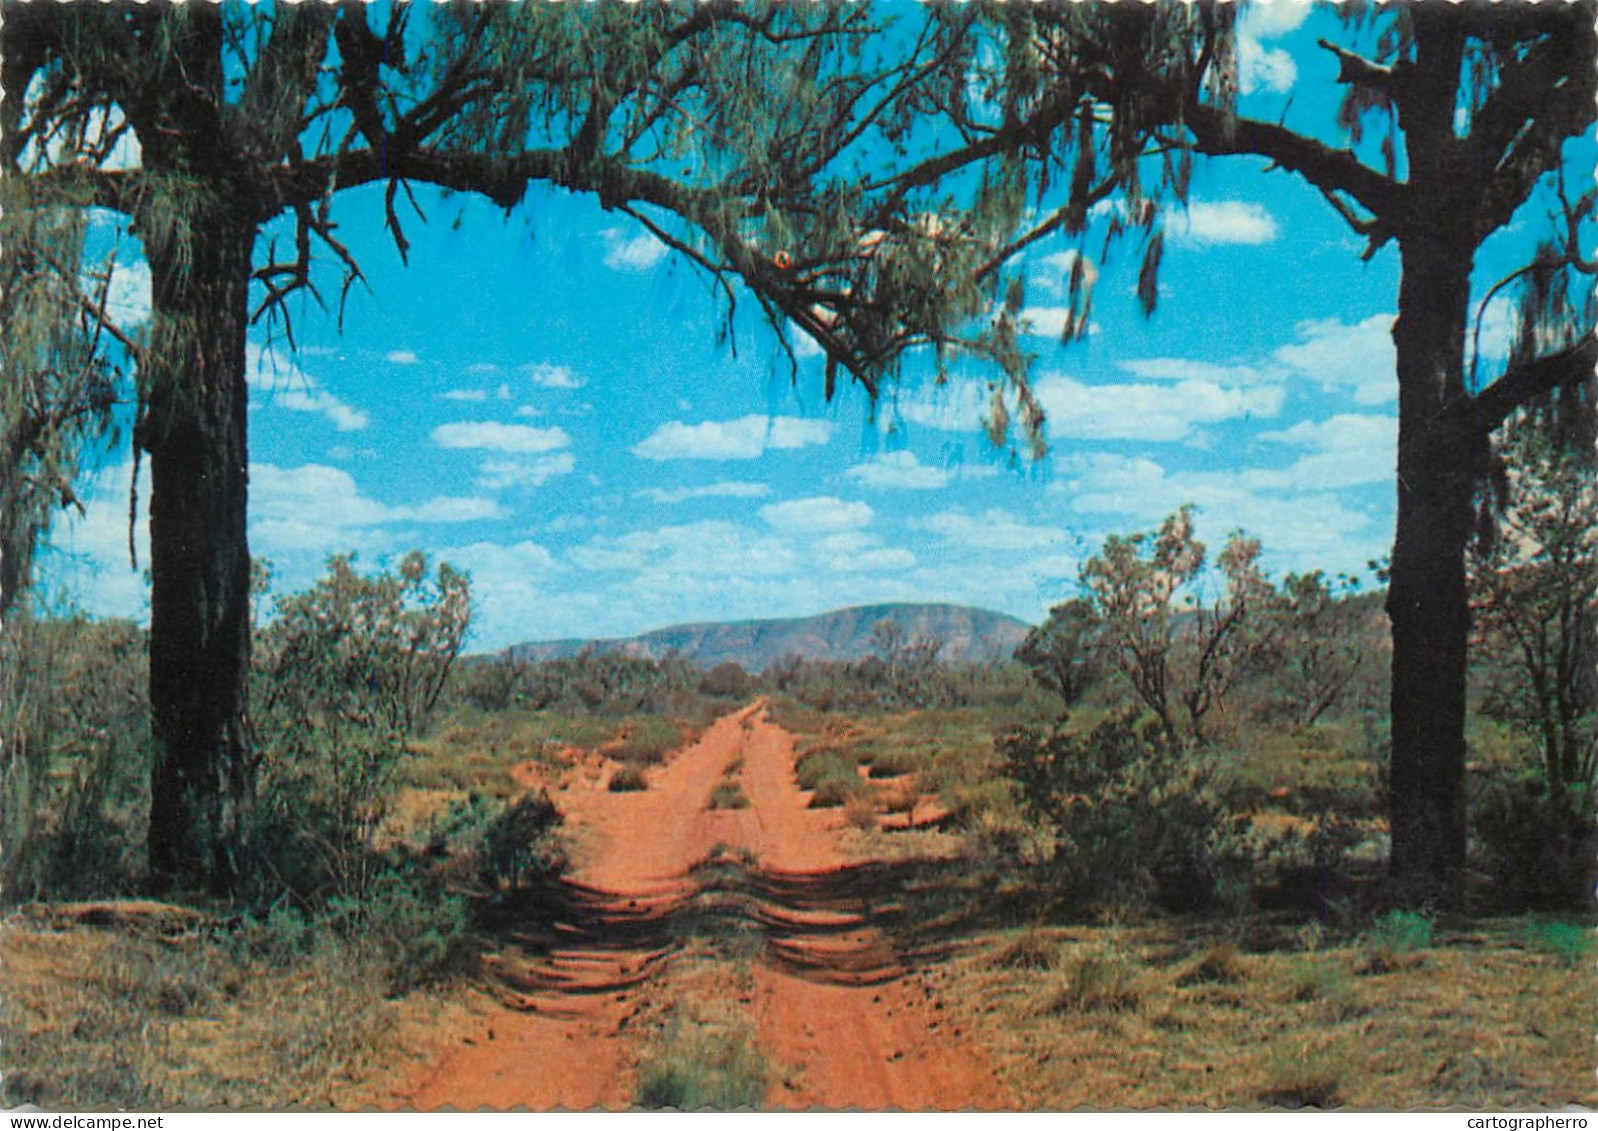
<point x="1181" y="655"/>
<point x="1062" y="653"/>
<point x="1319" y="644"/>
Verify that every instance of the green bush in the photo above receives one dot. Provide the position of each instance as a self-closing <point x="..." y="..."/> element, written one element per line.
<point x="1568" y="943"/>
<point x="343" y="676"/>
<point x="1135" y="819"/>
<point x="833" y="792"/>
<point x="647" y="740"/>
<point x="894" y="761"/>
<point x="728" y="795"/>
<point x="417" y="932"/>
<point x="74" y="757"/>
<point x="1537" y="844"/>
<point x="1403" y="932"/>
<point x="1396" y="941"/>
<point x="520" y="843"/>
<point x="823" y="763"/>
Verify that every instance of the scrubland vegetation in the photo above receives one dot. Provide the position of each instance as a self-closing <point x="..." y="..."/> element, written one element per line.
<point x="1162" y="825"/>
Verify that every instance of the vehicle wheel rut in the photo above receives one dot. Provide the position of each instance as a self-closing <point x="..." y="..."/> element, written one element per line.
<point x="579" y="957"/>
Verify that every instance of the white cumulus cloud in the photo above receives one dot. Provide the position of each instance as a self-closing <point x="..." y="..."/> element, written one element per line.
<point x="1188" y="369"/>
<point x="321" y="508"/>
<point x="725" y="489"/>
<point x="1263" y="68"/>
<point x="1154" y="412"/>
<point x="490" y="435"/>
<point x="1216" y="222"/>
<point x="816" y="514"/>
<point x="1342" y="451"/>
<point x="747" y="437"/>
<point x="1357" y="357"/>
<point x="548" y="376"/>
<point x="501" y="473"/>
<point x="898" y="469"/>
<point x="992" y="530"/>
<point x="293" y="389"/>
<point x="639" y="253"/>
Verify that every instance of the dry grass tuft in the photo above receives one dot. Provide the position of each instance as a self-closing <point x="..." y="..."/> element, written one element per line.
<point x="1302" y="1074"/>
<point x="628" y="779"/>
<point x="1030" y="950"/>
<point x="860" y="812"/>
<point x="1219" y="964"/>
<point x="1101" y="981"/>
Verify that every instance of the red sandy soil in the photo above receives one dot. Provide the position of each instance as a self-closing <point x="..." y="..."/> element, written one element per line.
<point x="840" y="1018"/>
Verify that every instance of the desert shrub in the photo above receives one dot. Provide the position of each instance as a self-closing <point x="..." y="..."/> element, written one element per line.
<point x="1134" y="817"/>
<point x="628" y="779"/>
<point x="821" y="763"/>
<point x="491" y="683"/>
<point x="1537" y="844"/>
<point x="520" y="842"/>
<point x="1218" y="964"/>
<point x="1397" y="940"/>
<point x="1568" y="943"/>
<point x="835" y="791"/>
<point x="401" y="926"/>
<point x="727" y="681"/>
<point x="416" y="932"/>
<point x="74" y="756"/>
<point x="860" y="812"/>
<point x="647" y="739"/>
<point x="699" y="1066"/>
<point x="606" y="684"/>
<point x="343" y="676"/>
<point x="895" y="761"/>
<point x="1029" y="950"/>
<point x="1317" y="979"/>
<point x="728" y="795"/>
<point x="831" y="776"/>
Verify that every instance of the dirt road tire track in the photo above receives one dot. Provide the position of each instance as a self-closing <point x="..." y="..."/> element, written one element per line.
<point x="841" y="1019"/>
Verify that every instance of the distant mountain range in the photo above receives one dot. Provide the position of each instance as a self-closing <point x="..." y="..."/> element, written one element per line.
<point x="846" y="634"/>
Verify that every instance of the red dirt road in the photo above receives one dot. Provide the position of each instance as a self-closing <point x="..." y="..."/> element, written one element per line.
<point x="838" y="1016"/>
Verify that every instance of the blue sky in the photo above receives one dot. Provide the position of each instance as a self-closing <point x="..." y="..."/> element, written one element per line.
<point x="543" y="401"/>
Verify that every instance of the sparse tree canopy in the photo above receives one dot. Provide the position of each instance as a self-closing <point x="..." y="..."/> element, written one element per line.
<point x="1182" y="653"/>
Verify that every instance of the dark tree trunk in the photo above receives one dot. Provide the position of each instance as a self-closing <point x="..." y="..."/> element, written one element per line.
<point x="194" y="430"/>
<point x="1440" y="454"/>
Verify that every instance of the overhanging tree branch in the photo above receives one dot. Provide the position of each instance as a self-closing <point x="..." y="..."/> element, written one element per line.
<point x="1523" y="383"/>
<point x="1218" y="133"/>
